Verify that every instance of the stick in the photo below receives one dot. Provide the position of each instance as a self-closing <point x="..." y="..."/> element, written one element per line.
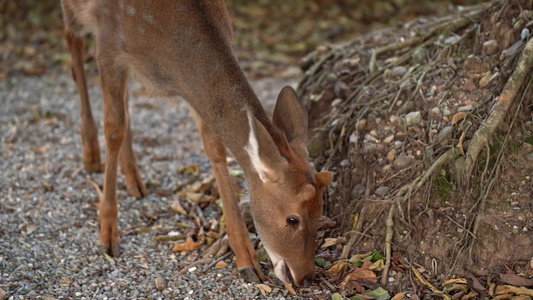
<point x="388" y="246"/>
<point x="499" y="111"/>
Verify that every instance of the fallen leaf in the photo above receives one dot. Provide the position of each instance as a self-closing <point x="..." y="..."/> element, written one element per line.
<point x="458" y="117"/>
<point x="329" y="242"/>
<point x="221" y="265"/>
<point x="399" y="296"/>
<point x="176" y="207"/>
<point x="476" y="286"/>
<point x="461" y="141"/>
<point x="377" y="266"/>
<point x="361" y="276"/>
<point x="288" y="287"/>
<point x="516" y="280"/>
<point x="42" y="149"/>
<point x="378" y="294"/>
<point x="191" y="169"/>
<point x="319" y="261"/>
<point x="508" y="289"/>
<point x="336" y="296"/>
<point x="337" y="268"/>
<point x="456" y="280"/>
<point x="265" y="289"/>
<point x="189" y="245"/>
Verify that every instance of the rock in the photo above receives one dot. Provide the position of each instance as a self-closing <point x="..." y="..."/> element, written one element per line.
<point x="529" y="156"/>
<point x="3" y="294"/>
<point x="470" y="85"/>
<point x="468" y="107"/>
<point x="388" y="139"/>
<point x="444" y="135"/>
<point x="345" y="163"/>
<point x="446" y="112"/>
<point x="382" y="191"/>
<point x="413" y="118"/>
<point x="524" y="35"/>
<point x="391" y="155"/>
<point x="340" y="89"/>
<point x="403" y="161"/>
<point x="361" y="125"/>
<point x="399" y="71"/>
<point x="435" y="111"/>
<point x="490" y="47"/>
<point x="160" y="283"/>
<point x="373" y="133"/>
<point x="420" y="55"/>
<point x="483" y="82"/>
<point x="336" y="102"/>
<point x="407" y="107"/>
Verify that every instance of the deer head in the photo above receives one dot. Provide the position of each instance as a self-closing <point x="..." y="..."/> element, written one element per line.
<point x="286" y="195"/>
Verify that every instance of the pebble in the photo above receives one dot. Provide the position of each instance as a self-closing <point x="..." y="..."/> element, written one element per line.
<point x="391" y="155"/>
<point x="468" y="107"/>
<point x="399" y="71"/>
<point x="446" y="112"/>
<point x="490" y="47"/>
<point x="435" y="111"/>
<point x="361" y="125"/>
<point x="382" y="191"/>
<point x="413" y="118"/>
<point x="3" y="294"/>
<point x="483" y="82"/>
<point x="529" y="156"/>
<point x="388" y="139"/>
<point x="403" y="161"/>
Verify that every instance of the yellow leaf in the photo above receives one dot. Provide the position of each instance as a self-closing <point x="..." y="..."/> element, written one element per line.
<point x="399" y="296"/>
<point x="192" y="169"/>
<point x="337" y="268"/>
<point x="329" y="242"/>
<point x="458" y="117"/>
<point x="377" y="266"/>
<point x="456" y="280"/>
<point x="176" y="207"/>
<point x="265" y="289"/>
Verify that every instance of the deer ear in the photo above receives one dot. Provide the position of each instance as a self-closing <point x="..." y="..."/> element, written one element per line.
<point x="323" y="179"/>
<point x="290" y="116"/>
<point x="262" y="151"/>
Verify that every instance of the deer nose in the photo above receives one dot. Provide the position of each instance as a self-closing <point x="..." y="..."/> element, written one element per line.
<point x="307" y="282"/>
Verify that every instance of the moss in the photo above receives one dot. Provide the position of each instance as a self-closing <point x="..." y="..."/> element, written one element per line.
<point x="444" y="187"/>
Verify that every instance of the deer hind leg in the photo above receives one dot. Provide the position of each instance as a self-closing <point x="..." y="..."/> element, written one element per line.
<point x="239" y="240"/>
<point x="128" y="162"/>
<point x="115" y="128"/>
<point x="89" y="130"/>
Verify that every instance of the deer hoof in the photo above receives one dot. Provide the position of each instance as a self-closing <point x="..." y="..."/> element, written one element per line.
<point x="249" y="275"/>
<point x="113" y="251"/>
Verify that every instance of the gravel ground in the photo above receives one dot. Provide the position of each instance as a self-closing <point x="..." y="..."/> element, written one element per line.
<point x="48" y="220"/>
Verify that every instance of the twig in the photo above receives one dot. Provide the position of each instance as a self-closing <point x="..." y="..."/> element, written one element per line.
<point x="388" y="245"/>
<point x="202" y="261"/>
<point x="499" y="111"/>
<point x="209" y="266"/>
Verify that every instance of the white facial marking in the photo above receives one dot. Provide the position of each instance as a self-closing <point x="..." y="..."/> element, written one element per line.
<point x="253" y="151"/>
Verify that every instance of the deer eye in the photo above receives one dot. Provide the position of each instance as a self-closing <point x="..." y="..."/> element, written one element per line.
<point x="293" y="221"/>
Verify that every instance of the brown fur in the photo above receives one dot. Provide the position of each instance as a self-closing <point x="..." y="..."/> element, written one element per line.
<point x="184" y="48"/>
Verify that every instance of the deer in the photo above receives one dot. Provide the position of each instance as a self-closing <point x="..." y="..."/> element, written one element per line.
<point x="184" y="48"/>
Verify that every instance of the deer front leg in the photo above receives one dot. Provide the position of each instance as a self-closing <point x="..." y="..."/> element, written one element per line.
<point x="239" y="241"/>
<point x="89" y="131"/>
<point x="128" y="162"/>
<point x="115" y="128"/>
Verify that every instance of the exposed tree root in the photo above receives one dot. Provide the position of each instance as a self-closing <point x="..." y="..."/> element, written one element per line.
<point x="499" y="111"/>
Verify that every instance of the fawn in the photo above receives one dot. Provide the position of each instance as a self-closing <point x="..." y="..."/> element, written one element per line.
<point x="183" y="48"/>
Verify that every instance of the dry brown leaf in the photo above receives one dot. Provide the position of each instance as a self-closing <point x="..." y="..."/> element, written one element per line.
<point x="221" y="265"/>
<point x="361" y="276"/>
<point x="176" y="207"/>
<point x="461" y="141"/>
<point x="507" y="289"/>
<point x="288" y="287"/>
<point x="456" y="280"/>
<point x="516" y="280"/>
<point x="265" y="289"/>
<point x="329" y="242"/>
<point x="189" y="245"/>
<point x="399" y="296"/>
<point x="458" y="117"/>
<point x="42" y="149"/>
<point x="337" y="268"/>
<point x="191" y="169"/>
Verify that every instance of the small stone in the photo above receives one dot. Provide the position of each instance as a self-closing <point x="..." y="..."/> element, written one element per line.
<point x="160" y="283"/>
<point x="413" y="118"/>
<point x="490" y="47"/>
<point x="446" y="112"/>
<point x="78" y="294"/>
<point x="435" y="111"/>
<point x="361" y="125"/>
<point x="391" y="155"/>
<point x="483" y="82"/>
<point x="407" y="107"/>
<point x="382" y="191"/>
<point x="420" y="55"/>
<point x="345" y="163"/>
<point x="393" y="119"/>
<point x="529" y="156"/>
<point x="373" y="133"/>
<point x="65" y="281"/>
<point x="403" y="161"/>
<point x="468" y="107"/>
<point x="399" y="71"/>
<point x="386" y="169"/>
<point x="336" y="102"/>
<point x="389" y="139"/>
<point x="524" y="35"/>
<point x="444" y="135"/>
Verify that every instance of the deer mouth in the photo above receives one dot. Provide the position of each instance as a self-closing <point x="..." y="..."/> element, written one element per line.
<point x="282" y="271"/>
